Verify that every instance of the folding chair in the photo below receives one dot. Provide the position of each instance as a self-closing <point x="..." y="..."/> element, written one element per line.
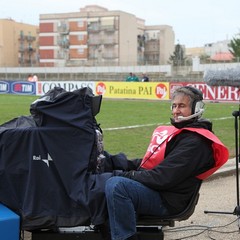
<point x="150" y="227"/>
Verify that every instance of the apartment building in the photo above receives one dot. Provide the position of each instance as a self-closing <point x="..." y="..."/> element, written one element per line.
<point x="96" y="36"/>
<point x="159" y="44"/>
<point x="18" y="44"/>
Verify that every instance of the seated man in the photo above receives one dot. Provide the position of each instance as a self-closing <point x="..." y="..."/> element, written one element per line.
<point x="178" y="158"/>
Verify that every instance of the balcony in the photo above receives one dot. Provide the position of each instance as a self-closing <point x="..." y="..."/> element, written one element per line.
<point x="21" y="49"/>
<point x="26" y="38"/>
<point x="108" y="28"/>
<point x="30" y="38"/>
<point x="109" y="41"/>
<point x="92" y="56"/>
<point x="63" y="28"/>
<point x="110" y="55"/>
<point x="94" y="41"/>
<point x="64" y="43"/>
<point x="94" y="28"/>
<point x="24" y="49"/>
<point x="62" y="55"/>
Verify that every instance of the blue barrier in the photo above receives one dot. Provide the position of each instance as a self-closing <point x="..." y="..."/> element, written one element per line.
<point x="9" y="224"/>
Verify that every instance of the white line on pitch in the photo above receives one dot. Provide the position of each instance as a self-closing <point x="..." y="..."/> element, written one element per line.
<point x="150" y="124"/>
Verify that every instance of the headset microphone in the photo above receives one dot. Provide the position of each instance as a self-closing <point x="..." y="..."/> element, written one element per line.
<point x="181" y="118"/>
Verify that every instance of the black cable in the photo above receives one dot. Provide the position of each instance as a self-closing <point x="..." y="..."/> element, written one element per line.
<point x="200" y="226"/>
<point x="203" y="229"/>
<point x="190" y="236"/>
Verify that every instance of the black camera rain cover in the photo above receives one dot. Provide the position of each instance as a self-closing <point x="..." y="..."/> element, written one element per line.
<point x="44" y="163"/>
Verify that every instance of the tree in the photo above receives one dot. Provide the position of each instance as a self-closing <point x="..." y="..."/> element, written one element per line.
<point x="235" y="48"/>
<point x="178" y="59"/>
<point x="204" y="58"/>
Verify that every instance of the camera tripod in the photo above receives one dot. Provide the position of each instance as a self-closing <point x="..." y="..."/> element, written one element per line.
<point x="236" y="211"/>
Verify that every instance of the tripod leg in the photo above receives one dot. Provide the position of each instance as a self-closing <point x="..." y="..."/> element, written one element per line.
<point x="236" y="115"/>
<point x="236" y="211"/>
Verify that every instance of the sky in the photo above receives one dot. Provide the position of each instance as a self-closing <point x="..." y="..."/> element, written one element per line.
<point x="194" y="22"/>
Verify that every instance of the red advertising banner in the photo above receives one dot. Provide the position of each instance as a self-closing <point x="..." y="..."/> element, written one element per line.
<point x="211" y="93"/>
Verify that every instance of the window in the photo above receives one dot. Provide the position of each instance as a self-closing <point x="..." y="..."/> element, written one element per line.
<point x="81" y="37"/>
<point x="80" y="23"/>
<point x="80" y="51"/>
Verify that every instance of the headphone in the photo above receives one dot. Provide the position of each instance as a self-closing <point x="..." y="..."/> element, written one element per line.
<point x="197" y="105"/>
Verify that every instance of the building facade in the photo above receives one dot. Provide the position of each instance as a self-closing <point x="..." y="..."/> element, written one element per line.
<point x="96" y="36"/>
<point x="18" y="44"/>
